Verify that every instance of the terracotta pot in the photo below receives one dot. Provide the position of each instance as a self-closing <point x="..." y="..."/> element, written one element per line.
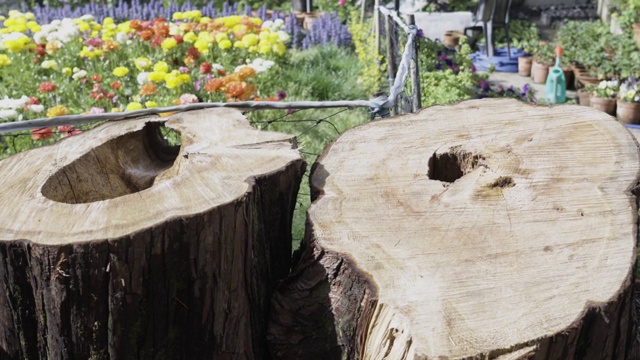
<point x="583" y="97"/>
<point x="607" y="105"/>
<point x="628" y="112"/>
<point x="636" y="33"/>
<point x="539" y="72"/>
<point x="524" y="65"/>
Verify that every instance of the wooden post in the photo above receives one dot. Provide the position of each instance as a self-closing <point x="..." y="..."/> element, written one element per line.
<point x="490" y="229"/>
<point x="115" y="245"/>
<point x="391" y="54"/>
<point x="415" y="71"/>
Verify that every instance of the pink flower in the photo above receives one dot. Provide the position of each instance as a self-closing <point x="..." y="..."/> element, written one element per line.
<point x="342" y="2"/>
<point x="96" y="110"/>
<point x="183" y="69"/>
<point x="188" y="99"/>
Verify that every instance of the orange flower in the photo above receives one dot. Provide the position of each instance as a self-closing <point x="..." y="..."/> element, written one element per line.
<point x="135" y="25"/>
<point x="246" y="72"/>
<point x="110" y="45"/>
<point x="42" y="133"/>
<point x="46" y="87"/>
<point x="189" y="61"/>
<point x="96" y="78"/>
<point x="145" y="35"/>
<point x="149" y="88"/>
<point x="116" y="85"/>
<point x="240" y="90"/>
<point x="214" y="84"/>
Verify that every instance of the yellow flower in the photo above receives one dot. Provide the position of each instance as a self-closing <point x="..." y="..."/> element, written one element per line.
<point x="250" y="40"/>
<point x="221" y="36"/>
<point x="4" y="60"/>
<point x="193" y="15"/>
<point x="224" y="44"/>
<point x="134" y="106"/>
<point x="67" y="71"/>
<point x="116" y="110"/>
<point x="177" y="16"/>
<point x="142" y="63"/>
<point x="157" y="76"/>
<point x="202" y="46"/>
<point x="120" y="71"/>
<point x="279" y="48"/>
<point x="86" y="52"/>
<point x="168" y="43"/>
<point x="190" y="37"/>
<point x="84" y="26"/>
<point x="16" y="44"/>
<point x="161" y="66"/>
<point x="150" y="104"/>
<point x="57" y="110"/>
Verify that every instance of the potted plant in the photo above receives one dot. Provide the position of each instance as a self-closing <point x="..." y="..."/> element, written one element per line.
<point x="525" y="36"/>
<point x="543" y="58"/>
<point x="628" y="15"/>
<point x="628" y="103"/>
<point x="603" y="96"/>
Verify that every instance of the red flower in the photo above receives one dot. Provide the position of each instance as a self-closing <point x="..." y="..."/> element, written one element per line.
<point x="46" y="87"/>
<point x="193" y="53"/>
<point x="96" y="78"/>
<point x="178" y="39"/>
<point x="95" y="42"/>
<point x="40" y="50"/>
<point x="69" y="130"/>
<point x="116" y="85"/>
<point x="42" y="133"/>
<point x="205" y="68"/>
<point x="221" y="72"/>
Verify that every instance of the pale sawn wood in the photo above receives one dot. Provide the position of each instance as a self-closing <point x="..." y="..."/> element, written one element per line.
<point x="485" y="229"/>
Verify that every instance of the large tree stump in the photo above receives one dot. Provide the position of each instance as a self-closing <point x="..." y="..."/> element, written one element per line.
<point x="487" y="229"/>
<point x="115" y="245"/>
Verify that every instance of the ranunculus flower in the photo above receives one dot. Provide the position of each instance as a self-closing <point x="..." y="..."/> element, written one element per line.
<point x="42" y="133"/>
<point x="147" y="89"/>
<point x="134" y="106"/>
<point x="116" y="85"/>
<point x="46" y="87"/>
<point x="205" y="68"/>
<point x="58" y="110"/>
<point x="142" y="63"/>
<point x="120" y="71"/>
<point x="188" y="99"/>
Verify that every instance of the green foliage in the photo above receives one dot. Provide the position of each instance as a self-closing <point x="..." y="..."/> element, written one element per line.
<point x="592" y="45"/>
<point x="372" y="63"/>
<point x="522" y="33"/>
<point x="627" y="12"/>
<point x="446" y="76"/>
<point x="451" y="5"/>
<point x="544" y="53"/>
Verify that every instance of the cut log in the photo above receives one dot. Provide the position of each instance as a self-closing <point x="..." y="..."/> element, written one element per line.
<point x="115" y="245"/>
<point x="486" y="229"/>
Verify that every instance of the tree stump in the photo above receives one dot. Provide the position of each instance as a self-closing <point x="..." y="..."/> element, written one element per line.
<point x="116" y="245"/>
<point x="487" y="229"/>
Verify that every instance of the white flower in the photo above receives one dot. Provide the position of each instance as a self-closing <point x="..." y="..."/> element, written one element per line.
<point x="143" y="78"/>
<point x="36" y="108"/>
<point x="284" y="36"/>
<point x="13" y="104"/>
<point x="122" y="38"/>
<point x="8" y="114"/>
<point x="261" y="65"/>
<point x="49" y="64"/>
<point x="79" y="75"/>
<point x="87" y="17"/>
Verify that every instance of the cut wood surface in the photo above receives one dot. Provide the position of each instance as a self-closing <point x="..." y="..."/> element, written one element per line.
<point x="486" y="229"/>
<point x="115" y="245"/>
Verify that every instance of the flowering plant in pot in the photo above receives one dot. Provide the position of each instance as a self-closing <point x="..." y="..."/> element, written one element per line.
<point x="604" y="95"/>
<point x="543" y="58"/>
<point x="628" y="103"/>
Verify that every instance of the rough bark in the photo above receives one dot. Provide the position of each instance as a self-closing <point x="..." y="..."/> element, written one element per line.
<point x="115" y="245"/>
<point x="486" y="229"/>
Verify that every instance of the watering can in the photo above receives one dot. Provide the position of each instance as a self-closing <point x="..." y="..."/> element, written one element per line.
<point x="556" y="87"/>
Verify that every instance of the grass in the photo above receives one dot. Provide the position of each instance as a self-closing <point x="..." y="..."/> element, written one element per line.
<point x="323" y="74"/>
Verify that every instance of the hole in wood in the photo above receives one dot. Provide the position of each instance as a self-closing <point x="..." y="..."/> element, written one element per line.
<point x="118" y="167"/>
<point x="452" y="165"/>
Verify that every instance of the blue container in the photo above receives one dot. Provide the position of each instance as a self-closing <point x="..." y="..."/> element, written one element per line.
<point x="500" y="60"/>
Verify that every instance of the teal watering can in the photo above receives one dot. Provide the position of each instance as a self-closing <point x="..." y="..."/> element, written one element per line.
<point x="556" y="87"/>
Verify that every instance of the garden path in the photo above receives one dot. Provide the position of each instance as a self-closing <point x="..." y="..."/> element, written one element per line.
<point x="513" y="79"/>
